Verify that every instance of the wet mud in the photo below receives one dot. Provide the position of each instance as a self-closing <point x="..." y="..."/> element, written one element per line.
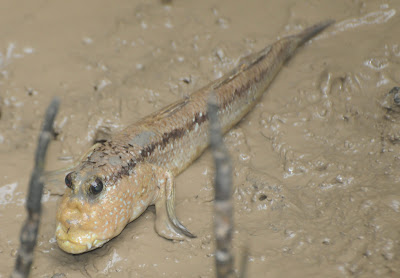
<point x="316" y="163"/>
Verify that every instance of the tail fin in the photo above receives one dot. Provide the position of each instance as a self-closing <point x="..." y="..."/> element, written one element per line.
<point x="310" y="32"/>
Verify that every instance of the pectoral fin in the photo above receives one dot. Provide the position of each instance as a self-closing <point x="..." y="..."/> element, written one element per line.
<point x="167" y="224"/>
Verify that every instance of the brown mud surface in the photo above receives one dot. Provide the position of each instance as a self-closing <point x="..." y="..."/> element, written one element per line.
<point x="317" y="193"/>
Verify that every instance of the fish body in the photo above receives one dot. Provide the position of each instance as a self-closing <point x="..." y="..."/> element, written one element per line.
<point x="117" y="180"/>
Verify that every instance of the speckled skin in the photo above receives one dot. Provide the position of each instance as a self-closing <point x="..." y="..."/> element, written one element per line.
<point x="137" y="166"/>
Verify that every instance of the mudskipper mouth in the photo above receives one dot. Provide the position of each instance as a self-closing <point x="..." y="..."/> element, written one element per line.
<point x="77" y="244"/>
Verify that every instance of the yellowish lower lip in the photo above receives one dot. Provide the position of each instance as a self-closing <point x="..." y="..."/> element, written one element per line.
<point x="66" y="244"/>
<point x="71" y="247"/>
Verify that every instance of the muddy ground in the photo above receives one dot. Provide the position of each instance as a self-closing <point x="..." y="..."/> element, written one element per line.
<point x="317" y="190"/>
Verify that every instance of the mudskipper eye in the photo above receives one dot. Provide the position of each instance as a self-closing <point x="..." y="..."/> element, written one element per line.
<point x="68" y="180"/>
<point x="96" y="187"/>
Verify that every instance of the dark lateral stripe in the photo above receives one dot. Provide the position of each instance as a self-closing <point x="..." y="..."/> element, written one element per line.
<point x="173" y="135"/>
<point x="178" y="133"/>
<point x="165" y="139"/>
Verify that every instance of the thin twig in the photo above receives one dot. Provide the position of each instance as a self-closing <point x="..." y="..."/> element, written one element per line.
<point x="223" y="206"/>
<point x="29" y="231"/>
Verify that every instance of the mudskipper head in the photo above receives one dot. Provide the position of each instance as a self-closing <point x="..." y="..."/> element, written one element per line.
<point x="92" y="211"/>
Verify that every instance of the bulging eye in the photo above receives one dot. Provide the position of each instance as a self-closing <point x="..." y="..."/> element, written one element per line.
<point x="96" y="186"/>
<point x="68" y="180"/>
